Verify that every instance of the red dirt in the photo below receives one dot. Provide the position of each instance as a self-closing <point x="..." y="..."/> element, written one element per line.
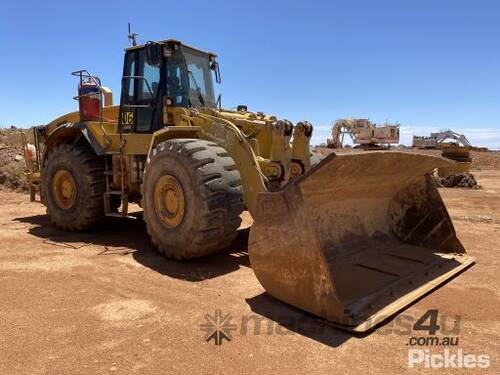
<point x="104" y="302"/>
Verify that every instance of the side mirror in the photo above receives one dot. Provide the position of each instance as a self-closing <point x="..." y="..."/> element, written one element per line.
<point x="215" y="67"/>
<point x="218" y="103"/>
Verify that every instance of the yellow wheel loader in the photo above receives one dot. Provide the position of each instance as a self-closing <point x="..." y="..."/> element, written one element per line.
<point x="352" y="238"/>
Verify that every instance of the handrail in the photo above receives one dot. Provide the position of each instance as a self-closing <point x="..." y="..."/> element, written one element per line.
<point x="85" y="74"/>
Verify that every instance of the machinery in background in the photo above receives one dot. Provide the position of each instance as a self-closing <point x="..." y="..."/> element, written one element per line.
<point x="460" y="155"/>
<point x="453" y="146"/>
<point x="363" y="133"/>
<point x="436" y="140"/>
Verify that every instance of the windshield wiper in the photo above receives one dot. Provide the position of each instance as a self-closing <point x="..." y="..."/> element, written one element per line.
<point x="198" y="90"/>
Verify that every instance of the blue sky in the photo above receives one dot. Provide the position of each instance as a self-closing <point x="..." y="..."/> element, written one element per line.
<point x="428" y="64"/>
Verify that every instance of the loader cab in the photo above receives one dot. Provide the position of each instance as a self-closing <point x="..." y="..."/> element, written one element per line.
<point x="160" y="74"/>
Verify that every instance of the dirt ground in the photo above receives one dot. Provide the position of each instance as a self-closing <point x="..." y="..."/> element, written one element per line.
<point x="104" y="302"/>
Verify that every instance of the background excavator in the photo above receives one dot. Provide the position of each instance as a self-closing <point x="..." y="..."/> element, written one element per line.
<point x="351" y="238"/>
<point x="364" y="134"/>
<point x="436" y="140"/>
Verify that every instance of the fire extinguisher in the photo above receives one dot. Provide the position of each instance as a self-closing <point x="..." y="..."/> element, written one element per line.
<point x="89" y="99"/>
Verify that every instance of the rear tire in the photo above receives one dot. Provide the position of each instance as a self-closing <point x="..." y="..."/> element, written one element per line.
<point x="199" y="181"/>
<point x="77" y="204"/>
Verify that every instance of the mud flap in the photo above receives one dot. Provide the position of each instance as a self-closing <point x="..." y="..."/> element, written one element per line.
<point x="356" y="239"/>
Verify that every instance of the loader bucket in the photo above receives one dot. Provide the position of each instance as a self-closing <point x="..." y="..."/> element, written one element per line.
<point x="357" y="238"/>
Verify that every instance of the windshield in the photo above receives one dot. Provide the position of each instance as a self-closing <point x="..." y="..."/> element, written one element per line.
<point x="189" y="79"/>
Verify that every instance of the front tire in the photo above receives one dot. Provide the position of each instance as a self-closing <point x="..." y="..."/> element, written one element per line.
<point x="192" y="198"/>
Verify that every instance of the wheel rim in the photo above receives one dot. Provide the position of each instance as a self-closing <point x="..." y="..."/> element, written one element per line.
<point x="64" y="189"/>
<point x="169" y="201"/>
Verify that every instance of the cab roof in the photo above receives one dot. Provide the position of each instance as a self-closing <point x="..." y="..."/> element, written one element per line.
<point x="171" y="42"/>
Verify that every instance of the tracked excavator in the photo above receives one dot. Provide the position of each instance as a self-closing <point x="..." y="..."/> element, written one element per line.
<point x="351" y="238"/>
<point x="364" y="134"/>
<point x="437" y="140"/>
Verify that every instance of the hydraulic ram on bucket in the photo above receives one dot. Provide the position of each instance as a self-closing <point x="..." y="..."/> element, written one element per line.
<point x="356" y="239"/>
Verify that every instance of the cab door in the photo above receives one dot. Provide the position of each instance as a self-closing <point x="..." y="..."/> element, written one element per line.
<point x="140" y="104"/>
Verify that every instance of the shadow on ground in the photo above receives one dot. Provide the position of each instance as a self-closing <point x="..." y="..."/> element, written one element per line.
<point x="318" y="329"/>
<point x="293" y="321"/>
<point x="129" y="236"/>
<point x="124" y="236"/>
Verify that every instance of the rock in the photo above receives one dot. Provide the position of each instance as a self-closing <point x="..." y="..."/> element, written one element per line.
<point x="3" y="145"/>
<point x="3" y="178"/>
<point x="484" y="218"/>
<point x="465" y="180"/>
<point x="18" y="157"/>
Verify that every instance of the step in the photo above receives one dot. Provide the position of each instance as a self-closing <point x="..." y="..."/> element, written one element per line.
<point x="114" y="192"/>
<point x="117" y="214"/>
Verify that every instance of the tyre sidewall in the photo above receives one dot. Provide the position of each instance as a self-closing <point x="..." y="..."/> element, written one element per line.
<point x="168" y="164"/>
<point x="64" y="160"/>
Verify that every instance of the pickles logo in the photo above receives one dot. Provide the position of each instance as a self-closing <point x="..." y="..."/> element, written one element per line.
<point x="439" y="335"/>
<point x="218" y="327"/>
<point x="447" y="359"/>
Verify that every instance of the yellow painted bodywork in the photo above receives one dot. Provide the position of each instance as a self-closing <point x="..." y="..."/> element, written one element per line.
<point x="260" y="145"/>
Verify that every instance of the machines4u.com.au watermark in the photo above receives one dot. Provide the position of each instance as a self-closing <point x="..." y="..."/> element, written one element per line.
<point x="433" y="340"/>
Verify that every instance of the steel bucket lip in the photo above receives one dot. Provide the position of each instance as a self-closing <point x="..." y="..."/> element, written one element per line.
<point x="405" y="301"/>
